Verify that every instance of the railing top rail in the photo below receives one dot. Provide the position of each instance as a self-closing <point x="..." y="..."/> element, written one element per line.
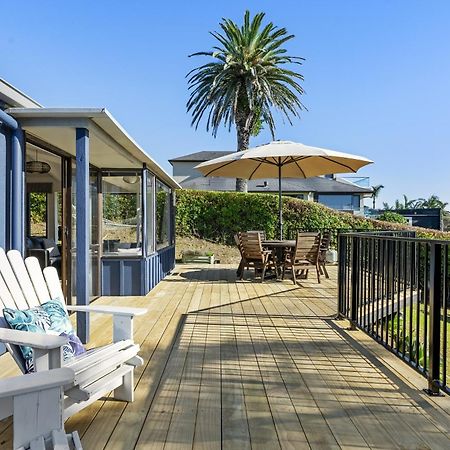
<point x="391" y="237"/>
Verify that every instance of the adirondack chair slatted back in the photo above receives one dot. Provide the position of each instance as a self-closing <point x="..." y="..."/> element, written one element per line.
<point x="251" y="245"/>
<point x="23" y="285"/>
<point x="307" y="247"/>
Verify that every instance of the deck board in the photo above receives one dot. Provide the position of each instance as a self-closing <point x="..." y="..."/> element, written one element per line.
<point x="242" y="364"/>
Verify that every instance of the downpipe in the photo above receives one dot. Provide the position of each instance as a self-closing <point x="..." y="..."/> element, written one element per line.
<point x="16" y="182"/>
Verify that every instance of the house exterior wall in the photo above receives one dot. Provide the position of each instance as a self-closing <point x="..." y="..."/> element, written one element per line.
<point x="184" y="169"/>
<point x="136" y="276"/>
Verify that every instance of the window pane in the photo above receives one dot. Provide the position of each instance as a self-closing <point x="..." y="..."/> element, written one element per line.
<point x="122" y="214"/>
<point x="343" y="202"/>
<point x="150" y="213"/>
<point x="162" y="215"/>
<point x="37" y="202"/>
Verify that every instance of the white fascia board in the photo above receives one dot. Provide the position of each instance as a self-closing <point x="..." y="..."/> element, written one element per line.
<point x="13" y="96"/>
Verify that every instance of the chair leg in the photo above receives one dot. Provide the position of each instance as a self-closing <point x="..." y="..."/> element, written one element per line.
<point x="293" y="274"/>
<point x="275" y="265"/>
<point x="318" y="273"/>
<point x="125" y="392"/>
<point x="240" y="268"/>
<point x="325" y="271"/>
<point x="263" y="272"/>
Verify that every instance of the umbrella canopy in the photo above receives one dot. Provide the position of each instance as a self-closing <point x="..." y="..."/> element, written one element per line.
<point x="282" y="159"/>
<point x="296" y="161"/>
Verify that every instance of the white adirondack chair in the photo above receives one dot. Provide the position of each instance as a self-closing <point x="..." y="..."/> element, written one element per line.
<point x="24" y="285"/>
<point x="36" y="403"/>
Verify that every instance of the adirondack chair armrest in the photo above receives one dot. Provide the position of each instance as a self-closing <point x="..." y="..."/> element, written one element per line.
<point x="113" y="310"/>
<point x="33" y="340"/>
<point x="38" y="381"/>
<point x="122" y="318"/>
<point x="36" y="403"/>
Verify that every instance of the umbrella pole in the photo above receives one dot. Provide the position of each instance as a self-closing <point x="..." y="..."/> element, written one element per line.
<point x="280" y="203"/>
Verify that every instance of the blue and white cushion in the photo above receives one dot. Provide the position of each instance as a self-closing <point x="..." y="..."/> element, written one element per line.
<point x="48" y="318"/>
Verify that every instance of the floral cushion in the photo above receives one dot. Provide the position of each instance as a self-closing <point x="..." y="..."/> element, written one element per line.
<point x="48" y="318"/>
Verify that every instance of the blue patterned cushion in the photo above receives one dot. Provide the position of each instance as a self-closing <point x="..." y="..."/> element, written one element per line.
<point x="48" y="318"/>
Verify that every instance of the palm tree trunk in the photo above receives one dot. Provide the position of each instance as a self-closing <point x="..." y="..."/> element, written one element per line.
<point x="243" y="139"/>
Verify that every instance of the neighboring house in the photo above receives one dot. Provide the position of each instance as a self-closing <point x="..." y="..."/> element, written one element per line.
<point x="337" y="193"/>
<point x="107" y="216"/>
<point x="417" y="217"/>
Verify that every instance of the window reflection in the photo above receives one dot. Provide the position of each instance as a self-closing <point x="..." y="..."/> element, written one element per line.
<point x="122" y="221"/>
<point x="150" y="213"/>
<point x="162" y="215"/>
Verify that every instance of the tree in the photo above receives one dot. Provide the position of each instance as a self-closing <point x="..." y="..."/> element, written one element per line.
<point x="247" y="78"/>
<point x="432" y="201"/>
<point x="375" y="193"/>
<point x="391" y="216"/>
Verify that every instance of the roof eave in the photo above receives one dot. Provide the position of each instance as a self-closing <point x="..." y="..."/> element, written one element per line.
<point x="74" y="117"/>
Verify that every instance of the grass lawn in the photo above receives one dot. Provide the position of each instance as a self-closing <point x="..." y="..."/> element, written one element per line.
<point x="419" y="327"/>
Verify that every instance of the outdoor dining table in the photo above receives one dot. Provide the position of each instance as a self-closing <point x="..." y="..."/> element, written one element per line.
<point x="279" y="247"/>
<point x="275" y="243"/>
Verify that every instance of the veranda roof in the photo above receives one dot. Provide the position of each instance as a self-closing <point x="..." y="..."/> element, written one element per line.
<point x="111" y="146"/>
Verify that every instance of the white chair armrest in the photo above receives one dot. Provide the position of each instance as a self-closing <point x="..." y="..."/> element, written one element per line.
<point x="113" y="310"/>
<point x="33" y="382"/>
<point x="33" y="340"/>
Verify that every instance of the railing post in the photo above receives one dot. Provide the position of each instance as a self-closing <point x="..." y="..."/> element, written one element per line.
<point x="435" y="280"/>
<point x="342" y="261"/>
<point x="355" y="282"/>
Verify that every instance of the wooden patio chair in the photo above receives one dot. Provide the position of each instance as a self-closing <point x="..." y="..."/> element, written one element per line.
<point x="24" y="285"/>
<point x="324" y="247"/>
<point x="305" y="256"/>
<point x="254" y="255"/>
<point x="36" y="403"/>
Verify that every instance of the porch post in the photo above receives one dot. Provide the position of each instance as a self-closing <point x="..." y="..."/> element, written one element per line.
<point x="144" y="220"/>
<point x="17" y="191"/>
<point x="82" y="229"/>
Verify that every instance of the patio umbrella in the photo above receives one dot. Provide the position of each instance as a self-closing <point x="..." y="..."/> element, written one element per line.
<point x="282" y="159"/>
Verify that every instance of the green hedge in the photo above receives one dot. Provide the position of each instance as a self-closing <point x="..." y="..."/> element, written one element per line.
<point x="391" y="216"/>
<point x="217" y="216"/>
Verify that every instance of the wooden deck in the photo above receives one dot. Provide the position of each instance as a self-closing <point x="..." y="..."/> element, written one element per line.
<point x="237" y="365"/>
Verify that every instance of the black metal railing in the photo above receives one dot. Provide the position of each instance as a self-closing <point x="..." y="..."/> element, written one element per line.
<point x="395" y="287"/>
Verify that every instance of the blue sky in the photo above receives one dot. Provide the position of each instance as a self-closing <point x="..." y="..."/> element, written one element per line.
<point x="377" y="75"/>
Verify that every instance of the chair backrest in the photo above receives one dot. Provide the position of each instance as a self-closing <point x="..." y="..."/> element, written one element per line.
<point x="307" y="247"/>
<point x="325" y="242"/>
<point x="237" y="240"/>
<point x="24" y="285"/>
<point x="251" y="245"/>
<point x="261" y="233"/>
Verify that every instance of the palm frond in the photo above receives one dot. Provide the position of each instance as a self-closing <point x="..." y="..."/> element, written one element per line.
<point x="247" y="78"/>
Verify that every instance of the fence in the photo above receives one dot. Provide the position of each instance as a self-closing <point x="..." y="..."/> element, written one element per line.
<point x="395" y="287"/>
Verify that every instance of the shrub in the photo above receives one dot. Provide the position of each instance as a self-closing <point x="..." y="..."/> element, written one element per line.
<point x="217" y="216"/>
<point x="391" y="216"/>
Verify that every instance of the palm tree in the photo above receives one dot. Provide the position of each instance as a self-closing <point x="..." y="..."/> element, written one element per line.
<point x="375" y="193"/>
<point x="246" y="79"/>
<point x="433" y="201"/>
